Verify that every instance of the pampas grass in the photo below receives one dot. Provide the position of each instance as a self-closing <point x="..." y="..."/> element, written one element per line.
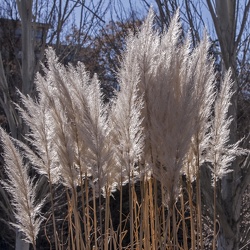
<point x="22" y="190"/>
<point x="166" y="121"/>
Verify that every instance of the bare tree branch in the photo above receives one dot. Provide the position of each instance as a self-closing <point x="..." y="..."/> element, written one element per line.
<point x="243" y="23"/>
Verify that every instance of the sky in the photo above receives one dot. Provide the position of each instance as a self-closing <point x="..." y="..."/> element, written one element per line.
<point x="140" y="8"/>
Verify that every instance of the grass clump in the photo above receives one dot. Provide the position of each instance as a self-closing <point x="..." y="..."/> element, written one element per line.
<point x="167" y="122"/>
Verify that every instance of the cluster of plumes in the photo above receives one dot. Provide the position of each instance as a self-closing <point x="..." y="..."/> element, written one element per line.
<point x="70" y="130"/>
<point x="183" y="119"/>
<point x="165" y="117"/>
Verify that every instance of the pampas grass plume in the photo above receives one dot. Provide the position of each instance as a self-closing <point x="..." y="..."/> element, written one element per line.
<point x="22" y="190"/>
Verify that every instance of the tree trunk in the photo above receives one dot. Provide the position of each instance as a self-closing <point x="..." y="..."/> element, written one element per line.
<point x="20" y="243"/>
<point x="226" y="242"/>
<point x="229" y="232"/>
<point x="28" y="58"/>
<point x="224" y="17"/>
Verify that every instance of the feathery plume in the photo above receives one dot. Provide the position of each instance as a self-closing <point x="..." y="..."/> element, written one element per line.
<point x="99" y="156"/>
<point x="127" y="118"/>
<point x="172" y="109"/>
<point x="37" y="117"/>
<point x="22" y="190"/>
<point x="55" y="88"/>
<point x="201" y="73"/>
<point x="143" y="48"/>
<point x="220" y="152"/>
